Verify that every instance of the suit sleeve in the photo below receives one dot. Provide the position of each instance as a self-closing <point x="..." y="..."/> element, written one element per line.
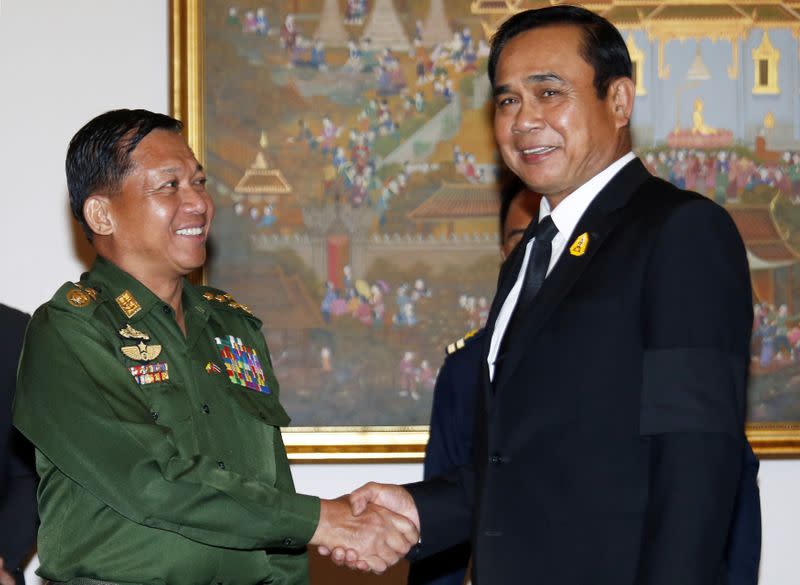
<point x="74" y="403"/>
<point x="697" y="320"/>
<point x="743" y="553"/>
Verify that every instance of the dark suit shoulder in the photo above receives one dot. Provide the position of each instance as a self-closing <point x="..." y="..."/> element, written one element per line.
<point x="12" y="321"/>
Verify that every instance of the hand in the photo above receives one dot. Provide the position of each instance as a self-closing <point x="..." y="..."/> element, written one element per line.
<point x="5" y="577"/>
<point x="372" y="541"/>
<point x="392" y="497"/>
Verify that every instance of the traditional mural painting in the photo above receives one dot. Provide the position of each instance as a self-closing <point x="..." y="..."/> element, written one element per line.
<point x="350" y="154"/>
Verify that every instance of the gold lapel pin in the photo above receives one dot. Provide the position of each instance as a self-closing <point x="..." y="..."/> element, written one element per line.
<point x="579" y="246"/>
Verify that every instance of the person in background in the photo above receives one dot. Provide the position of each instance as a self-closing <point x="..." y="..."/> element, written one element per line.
<point x="17" y="473"/>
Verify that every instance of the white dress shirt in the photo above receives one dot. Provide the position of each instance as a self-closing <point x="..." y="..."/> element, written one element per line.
<point x="565" y="217"/>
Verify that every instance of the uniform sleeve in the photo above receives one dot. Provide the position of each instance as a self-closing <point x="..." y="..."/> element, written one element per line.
<point x="76" y="404"/>
<point x="697" y="319"/>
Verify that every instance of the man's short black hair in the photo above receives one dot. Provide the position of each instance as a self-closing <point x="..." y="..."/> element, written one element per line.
<point x="603" y="46"/>
<point x="99" y="155"/>
<point x="510" y="190"/>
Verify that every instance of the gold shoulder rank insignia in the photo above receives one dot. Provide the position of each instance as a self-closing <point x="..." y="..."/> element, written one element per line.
<point x="128" y="303"/>
<point x="456" y="345"/>
<point x="226" y="299"/>
<point x="78" y="297"/>
<point x="580" y="245"/>
<point x="141" y="352"/>
<point x="129" y="332"/>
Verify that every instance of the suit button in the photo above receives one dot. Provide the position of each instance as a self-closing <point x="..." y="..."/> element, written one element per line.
<point x="206" y="409"/>
<point x="495" y="459"/>
<point x="221" y="464"/>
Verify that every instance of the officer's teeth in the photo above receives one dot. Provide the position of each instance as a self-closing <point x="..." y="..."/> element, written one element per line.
<point x="195" y="231"/>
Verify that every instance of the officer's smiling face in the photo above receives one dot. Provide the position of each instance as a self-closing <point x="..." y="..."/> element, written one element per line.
<point x="162" y="214"/>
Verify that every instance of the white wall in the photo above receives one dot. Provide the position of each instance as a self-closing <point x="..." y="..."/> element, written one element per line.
<point x="62" y="63"/>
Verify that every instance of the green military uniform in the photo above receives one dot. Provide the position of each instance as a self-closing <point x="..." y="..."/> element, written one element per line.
<point x="160" y="454"/>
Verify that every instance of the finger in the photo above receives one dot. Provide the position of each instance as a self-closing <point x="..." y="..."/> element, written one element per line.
<point x="338" y="555"/>
<point x="351" y="556"/>
<point x="360" y="498"/>
<point x="362" y="566"/>
<point x="323" y="550"/>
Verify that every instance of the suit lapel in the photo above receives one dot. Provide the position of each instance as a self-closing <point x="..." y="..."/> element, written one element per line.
<point x="599" y="220"/>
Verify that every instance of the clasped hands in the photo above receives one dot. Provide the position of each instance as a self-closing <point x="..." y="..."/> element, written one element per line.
<point x="369" y="530"/>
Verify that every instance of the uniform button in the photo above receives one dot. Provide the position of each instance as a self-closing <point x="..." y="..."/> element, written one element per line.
<point x="288" y="541"/>
<point x="167" y="309"/>
<point x="155" y="415"/>
<point x="221" y="464"/>
<point x="495" y="459"/>
<point x="206" y="409"/>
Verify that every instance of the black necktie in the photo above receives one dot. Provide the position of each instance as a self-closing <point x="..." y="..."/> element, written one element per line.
<point x="535" y="273"/>
<point x="538" y="264"/>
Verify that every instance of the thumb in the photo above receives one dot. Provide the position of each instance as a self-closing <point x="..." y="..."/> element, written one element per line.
<point x="360" y="498"/>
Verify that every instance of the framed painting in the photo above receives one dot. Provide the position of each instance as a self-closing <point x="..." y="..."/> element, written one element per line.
<point x="349" y="152"/>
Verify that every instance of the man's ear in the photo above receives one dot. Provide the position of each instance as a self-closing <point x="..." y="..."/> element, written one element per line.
<point x="97" y="213"/>
<point x="621" y="93"/>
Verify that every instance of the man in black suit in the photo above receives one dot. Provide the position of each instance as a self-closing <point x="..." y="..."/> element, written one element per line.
<point x="17" y="473"/>
<point x="609" y="427"/>
<point x="453" y="413"/>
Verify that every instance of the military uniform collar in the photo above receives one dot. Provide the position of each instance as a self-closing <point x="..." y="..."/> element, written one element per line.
<point x="132" y="299"/>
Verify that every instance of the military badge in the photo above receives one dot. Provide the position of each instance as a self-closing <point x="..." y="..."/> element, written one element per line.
<point x="78" y="297"/>
<point x="128" y="303"/>
<point x="141" y="352"/>
<point x="149" y="373"/>
<point x="242" y="364"/>
<point x="580" y="245"/>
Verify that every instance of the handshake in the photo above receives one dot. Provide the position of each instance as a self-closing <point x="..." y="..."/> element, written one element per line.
<point x="369" y="530"/>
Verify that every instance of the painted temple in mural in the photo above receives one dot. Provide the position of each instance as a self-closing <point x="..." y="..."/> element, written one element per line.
<point x="351" y="158"/>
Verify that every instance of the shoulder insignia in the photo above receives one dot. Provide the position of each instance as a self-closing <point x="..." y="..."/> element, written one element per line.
<point x="226" y="300"/>
<point x="456" y="345"/>
<point x="78" y="297"/>
<point x="128" y="303"/>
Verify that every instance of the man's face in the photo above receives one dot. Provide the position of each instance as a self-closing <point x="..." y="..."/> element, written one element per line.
<point x="162" y="214"/>
<point x="524" y="207"/>
<point x="552" y="129"/>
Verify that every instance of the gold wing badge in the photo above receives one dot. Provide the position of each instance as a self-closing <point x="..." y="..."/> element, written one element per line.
<point x="141" y="352"/>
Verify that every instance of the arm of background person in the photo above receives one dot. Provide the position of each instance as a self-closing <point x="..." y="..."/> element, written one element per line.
<point x="697" y="319"/>
<point x="743" y="553"/>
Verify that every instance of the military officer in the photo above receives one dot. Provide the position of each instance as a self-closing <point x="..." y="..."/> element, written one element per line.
<point x="153" y="404"/>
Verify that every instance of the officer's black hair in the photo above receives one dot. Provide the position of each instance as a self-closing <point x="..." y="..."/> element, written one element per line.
<point x="603" y="46"/>
<point x="99" y="155"/>
<point x="510" y="190"/>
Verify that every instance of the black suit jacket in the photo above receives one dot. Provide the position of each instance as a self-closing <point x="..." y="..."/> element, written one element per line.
<point x="609" y="448"/>
<point x="17" y="472"/>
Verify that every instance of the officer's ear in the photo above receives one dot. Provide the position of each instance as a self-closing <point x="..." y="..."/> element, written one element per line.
<point x="97" y="213"/>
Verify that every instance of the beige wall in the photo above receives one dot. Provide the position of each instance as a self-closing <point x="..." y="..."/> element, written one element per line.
<point x="62" y="62"/>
